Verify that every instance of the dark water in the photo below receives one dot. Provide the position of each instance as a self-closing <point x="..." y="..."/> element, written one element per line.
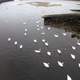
<point x="25" y="63"/>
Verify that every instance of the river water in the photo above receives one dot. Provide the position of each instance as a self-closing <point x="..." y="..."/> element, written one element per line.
<point x="25" y="41"/>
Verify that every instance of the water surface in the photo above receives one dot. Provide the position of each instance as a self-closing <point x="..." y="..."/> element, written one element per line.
<point x="25" y="63"/>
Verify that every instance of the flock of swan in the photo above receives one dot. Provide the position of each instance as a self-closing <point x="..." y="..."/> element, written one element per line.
<point x="45" y="42"/>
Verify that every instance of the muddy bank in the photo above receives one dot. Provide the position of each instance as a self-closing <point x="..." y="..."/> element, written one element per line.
<point x="1" y="1"/>
<point x="65" y="19"/>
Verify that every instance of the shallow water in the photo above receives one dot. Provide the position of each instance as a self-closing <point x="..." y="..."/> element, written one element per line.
<point x="23" y="22"/>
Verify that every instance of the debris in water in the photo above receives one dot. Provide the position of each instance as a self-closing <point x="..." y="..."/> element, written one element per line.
<point x="9" y="39"/>
<point x="55" y="35"/>
<point x="21" y="46"/>
<point x="73" y="47"/>
<point x="68" y="77"/>
<point x="48" y="53"/>
<point x="15" y="43"/>
<point x="59" y="51"/>
<point x="60" y="64"/>
<point x="73" y="56"/>
<point x="37" y="51"/>
<point x="46" y="65"/>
